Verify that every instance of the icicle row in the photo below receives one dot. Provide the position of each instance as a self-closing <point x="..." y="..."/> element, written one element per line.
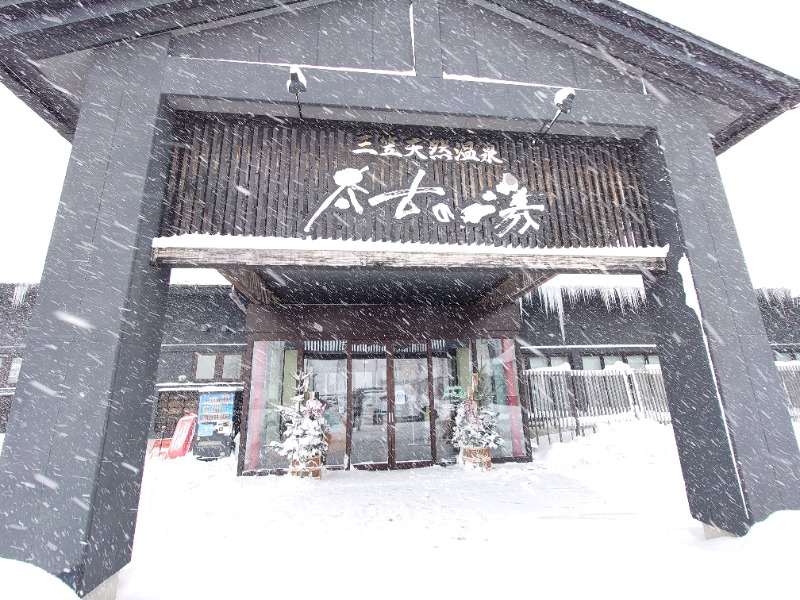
<point x="622" y="297"/>
<point x="20" y="291"/>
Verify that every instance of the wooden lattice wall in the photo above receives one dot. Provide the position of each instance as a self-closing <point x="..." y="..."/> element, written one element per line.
<point x="266" y="178"/>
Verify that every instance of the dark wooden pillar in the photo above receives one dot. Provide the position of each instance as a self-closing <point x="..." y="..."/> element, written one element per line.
<point x="738" y="452"/>
<point x="71" y="468"/>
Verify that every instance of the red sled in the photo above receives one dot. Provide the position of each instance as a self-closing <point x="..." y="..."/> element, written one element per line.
<point x="183" y="437"/>
<point x="160" y="448"/>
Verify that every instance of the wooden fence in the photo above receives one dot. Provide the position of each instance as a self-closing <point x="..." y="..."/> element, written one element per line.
<point x="5" y="409"/>
<point x="567" y="403"/>
<point x="790" y="375"/>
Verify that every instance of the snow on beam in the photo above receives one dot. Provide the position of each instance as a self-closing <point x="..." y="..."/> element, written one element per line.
<point x="221" y="251"/>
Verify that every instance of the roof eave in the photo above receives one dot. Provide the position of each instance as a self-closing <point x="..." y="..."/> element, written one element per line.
<point x="744" y="126"/>
<point x="35" y="95"/>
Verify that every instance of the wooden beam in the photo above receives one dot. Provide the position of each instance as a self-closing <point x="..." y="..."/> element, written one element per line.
<point x="514" y="286"/>
<point x="569" y="261"/>
<point x="251" y="285"/>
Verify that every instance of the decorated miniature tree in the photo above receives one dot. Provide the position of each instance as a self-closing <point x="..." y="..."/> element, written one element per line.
<point x="305" y="431"/>
<point x="475" y="427"/>
<point x="452" y="398"/>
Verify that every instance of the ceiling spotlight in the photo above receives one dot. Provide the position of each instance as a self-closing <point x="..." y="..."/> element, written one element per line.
<point x="296" y="84"/>
<point x="563" y="102"/>
<point x="563" y="99"/>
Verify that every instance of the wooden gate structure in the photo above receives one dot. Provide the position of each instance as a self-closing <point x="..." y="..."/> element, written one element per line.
<point x="431" y="169"/>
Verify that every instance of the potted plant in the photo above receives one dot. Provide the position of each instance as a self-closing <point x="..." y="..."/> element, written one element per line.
<point x="475" y="426"/>
<point x="305" y="434"/>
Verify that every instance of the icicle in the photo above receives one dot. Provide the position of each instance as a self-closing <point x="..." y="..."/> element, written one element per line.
<point x="552" y="300"/>
<point x="616" y="292"/>
<point x="781" y="297"/>
<point x="20" y="291"/>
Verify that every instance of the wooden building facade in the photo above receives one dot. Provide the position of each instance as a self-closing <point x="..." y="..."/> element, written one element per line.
<point x="391" y="226"/>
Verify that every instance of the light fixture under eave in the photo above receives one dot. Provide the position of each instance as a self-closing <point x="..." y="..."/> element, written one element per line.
<point x="296" y="85"/>
<point x="563" y="102"/>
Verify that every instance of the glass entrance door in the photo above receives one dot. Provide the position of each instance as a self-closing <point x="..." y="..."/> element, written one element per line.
<point x="327" y="363"/>
<point x="411" y="414"/>
<point x="387" y="403"/>
<point x="370" y="404"/>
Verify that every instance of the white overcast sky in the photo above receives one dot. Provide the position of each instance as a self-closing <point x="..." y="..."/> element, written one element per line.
<point x="760" y="173"/>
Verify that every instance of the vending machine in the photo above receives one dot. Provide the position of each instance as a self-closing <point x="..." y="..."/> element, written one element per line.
<point x="214" y="437"/>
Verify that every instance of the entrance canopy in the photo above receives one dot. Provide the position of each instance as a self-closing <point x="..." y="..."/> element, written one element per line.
<point x="300" y="271"/>
<point x="318" y="212"/>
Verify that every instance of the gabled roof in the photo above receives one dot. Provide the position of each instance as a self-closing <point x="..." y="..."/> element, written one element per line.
<point x="46" y="46"/>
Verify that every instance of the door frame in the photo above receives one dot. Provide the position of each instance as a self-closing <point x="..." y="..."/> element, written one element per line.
<point x="387" y="345"/>
<point x="411" y="464"/>
<point x="391" y="423"/>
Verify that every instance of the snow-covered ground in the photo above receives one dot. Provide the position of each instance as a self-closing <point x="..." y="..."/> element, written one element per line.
<point x="23" y="580"/>
<point x="602" y="515"/>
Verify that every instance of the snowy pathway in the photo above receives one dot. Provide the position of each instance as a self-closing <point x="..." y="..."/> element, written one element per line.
<point x="601" y="515"/>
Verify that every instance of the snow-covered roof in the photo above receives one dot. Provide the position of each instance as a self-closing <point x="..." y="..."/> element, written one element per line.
<point x="46" y="50"/>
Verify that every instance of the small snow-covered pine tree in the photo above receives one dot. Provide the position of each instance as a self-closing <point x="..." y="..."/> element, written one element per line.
<point x="305" y="429"/>
<point x="475" y="426"/>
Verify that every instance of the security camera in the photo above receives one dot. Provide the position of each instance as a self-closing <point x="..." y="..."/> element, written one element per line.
<point x="297" y="81"/>
<point x="563" y="99"/>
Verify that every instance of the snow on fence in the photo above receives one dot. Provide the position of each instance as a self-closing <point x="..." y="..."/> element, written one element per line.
<point x="790" y="375"/>
<point x="5" y="408"/>
<point x="568" y="402"/>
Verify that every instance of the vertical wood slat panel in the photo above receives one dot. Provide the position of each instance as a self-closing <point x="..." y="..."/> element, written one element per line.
<point x="273" y="187"/>
<point x="588" y="218"/>
<point x="248" y="218"/>
<point x="201" y="180"/>
<point x="184" y="209"/>
<point x="250" y="176"/>
<point x="259" y="192"/>
<point x="620" y="208"/>
<point x="537" y="169"/>
<point x="231" y="196"/>
<point x="222" y="164"/>
<point x="556" y="211"/>
<point x="593" y="178"/>
<point x="638" y="190"/>
<point x="632" y="211"/>
<point x="172" y="193"/>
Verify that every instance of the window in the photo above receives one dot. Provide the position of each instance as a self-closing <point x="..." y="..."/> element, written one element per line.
<point x="495" y="363"/>
<point x="538" y="362"/>
<point x="592" y="363"/>
<point x="543" y="362"/>
<point x="617" y="361"/>
<point x="218" y="366"/>
<point x="636" y="361"/>
<point x="787" y="355"/>
<point x="13" y="373"/>
<point x="206" y="367"/>
<point x="232" y="366"/>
